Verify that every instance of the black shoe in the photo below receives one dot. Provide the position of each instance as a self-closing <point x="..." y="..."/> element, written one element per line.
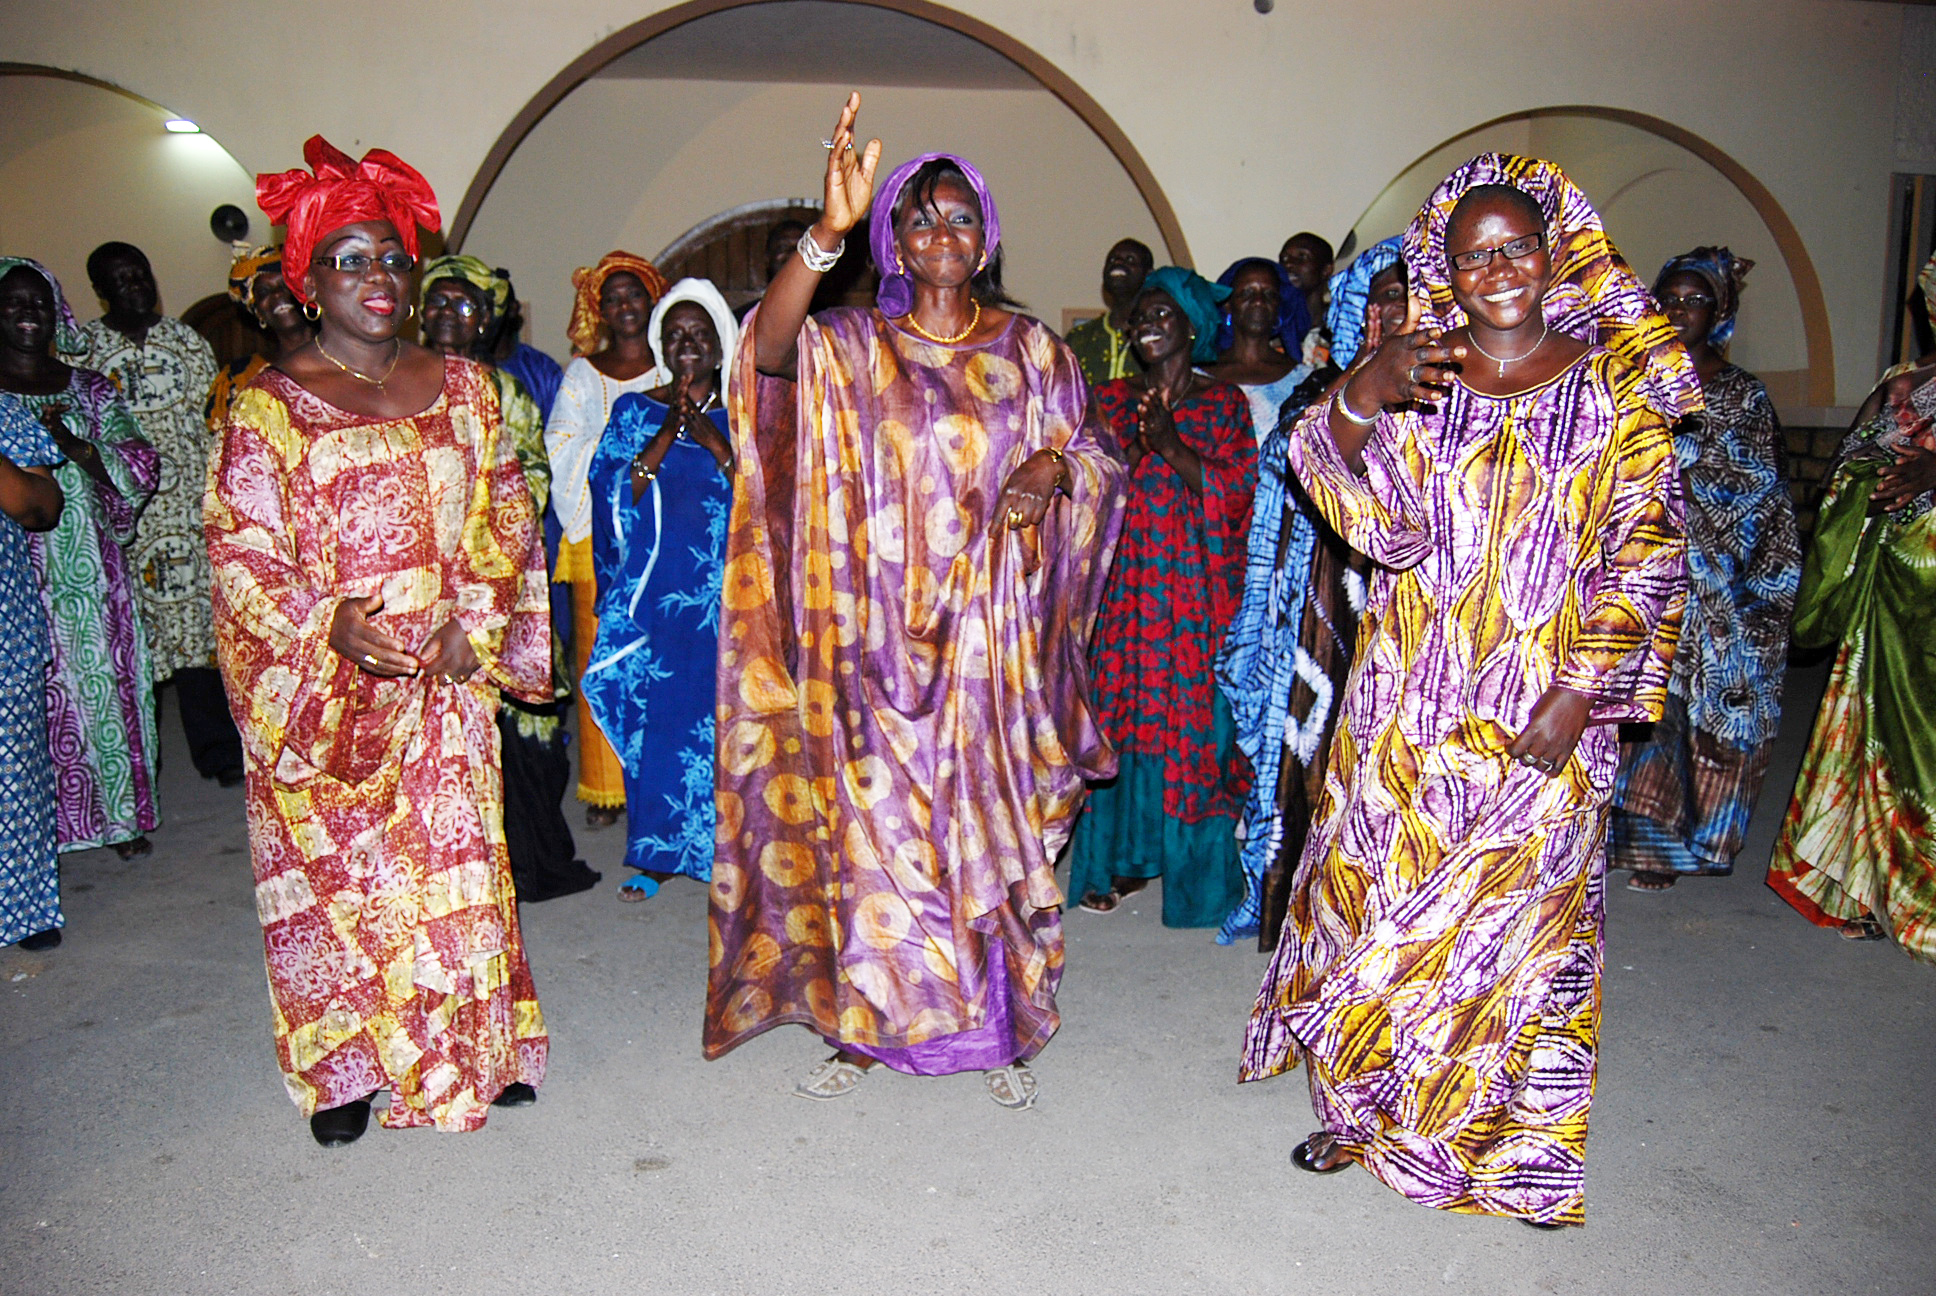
<point x="516" y="1094"/>
<point x="45" y="940"/>
<point x="1301" y="1158"/>
<point x="1544" y="1228"/>
<point x="336" y="1127"/>
<point x="229" y="777"/>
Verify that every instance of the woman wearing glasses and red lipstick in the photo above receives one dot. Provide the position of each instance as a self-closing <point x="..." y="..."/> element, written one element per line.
<point x="378" y="580"/>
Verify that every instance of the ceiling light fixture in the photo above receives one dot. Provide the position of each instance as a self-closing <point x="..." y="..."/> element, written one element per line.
<point x="181" y="126"/>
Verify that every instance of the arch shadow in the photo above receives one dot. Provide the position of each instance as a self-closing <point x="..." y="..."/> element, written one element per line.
<point x="1052" y="79"/>
<point x="1817" y="342"/>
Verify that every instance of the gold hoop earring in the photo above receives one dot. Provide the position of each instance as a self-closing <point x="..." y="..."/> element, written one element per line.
<point x="312" y="312"/>
<point x="409" y="309"/>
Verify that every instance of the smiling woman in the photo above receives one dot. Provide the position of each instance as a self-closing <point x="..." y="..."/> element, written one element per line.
<point x="1525" y="517"/>
<point x="378" y="580"/>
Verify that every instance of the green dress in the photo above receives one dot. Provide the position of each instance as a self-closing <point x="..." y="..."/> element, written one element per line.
<point x="1857" y="839"/>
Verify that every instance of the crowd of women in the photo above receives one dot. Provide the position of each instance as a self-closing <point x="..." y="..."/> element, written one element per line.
<point x="1373" y="612"/>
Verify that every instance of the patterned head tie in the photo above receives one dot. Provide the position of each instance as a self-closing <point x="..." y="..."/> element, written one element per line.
<point x="1351" y="294"/>
<point x="1593" y="297"/>
<point x="896" y="293"/>
<point x="67" y="330"/>
<point x="248" y="263"/>
<point x="587" y="331"/>
<point x="1201" y="301"/>
<point x="1724" y="273"/>
<point x="473" y="271"/>
<point x="1293" y="312"/>
<point x="342" y="192"/>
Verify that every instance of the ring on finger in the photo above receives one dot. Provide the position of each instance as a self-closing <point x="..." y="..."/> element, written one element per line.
<point x="1015" y="517"/>
<point x="1527" y="760"/>
<point x="1411" y="376"/>
<point x="369" y="659"/>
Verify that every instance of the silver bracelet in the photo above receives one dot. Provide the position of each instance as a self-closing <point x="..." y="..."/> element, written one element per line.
<point x="818" y="261"/>
<point x="1351" y="415"/>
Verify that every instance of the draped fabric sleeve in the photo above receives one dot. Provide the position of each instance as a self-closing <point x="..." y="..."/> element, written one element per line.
<point x="289" y="688"/>
<point x="498" y="569"/>
<point x="1080" y="533"/>
<point x="1633" y="566"/>
<point x="526" y="428"/>
<point x="1771" y="568"/>
<point x="571" y="437"/>
<point x="1380" y="514"/>
<point x="636" y="419"/>
<point x="1229" y="487"/>
<point x="132" y="465"/>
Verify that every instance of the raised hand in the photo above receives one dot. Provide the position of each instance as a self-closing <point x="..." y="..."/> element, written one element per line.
<point x="850" y="176"/>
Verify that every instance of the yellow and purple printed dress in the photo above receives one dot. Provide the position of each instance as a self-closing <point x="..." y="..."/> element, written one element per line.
<point x="1440" y="965"/>
<point x="904" y="711"/>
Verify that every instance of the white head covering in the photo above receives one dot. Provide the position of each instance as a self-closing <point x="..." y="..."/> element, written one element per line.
<point x="702" y="292"/>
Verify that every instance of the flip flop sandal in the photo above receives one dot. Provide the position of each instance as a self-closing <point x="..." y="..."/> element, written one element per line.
<point x="831" y="1079"/>
<point x="1863" y="929"/>
<point x="1101" y="902"/>
<point x="1301" y="1158"/>
<point x="1013" y="1086"/>
<point x="640" y="886"/>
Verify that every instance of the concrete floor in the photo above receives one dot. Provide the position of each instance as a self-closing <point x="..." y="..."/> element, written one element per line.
<point x="1763" y="1123"/>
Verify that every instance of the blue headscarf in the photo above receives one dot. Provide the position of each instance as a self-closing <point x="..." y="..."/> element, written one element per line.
<point x="1351" y="293"/>
<point x="1724" y="272"/>
<point x="1201" y="301"/>
<point x="1293" y="313"/>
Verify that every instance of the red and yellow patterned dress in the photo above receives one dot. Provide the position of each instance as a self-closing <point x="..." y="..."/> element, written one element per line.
<point x="376" y="820"/>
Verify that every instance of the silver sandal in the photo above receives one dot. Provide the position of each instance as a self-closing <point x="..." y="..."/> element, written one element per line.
<point x="831" y="1079"/>
<point x="1013" y="1086"/>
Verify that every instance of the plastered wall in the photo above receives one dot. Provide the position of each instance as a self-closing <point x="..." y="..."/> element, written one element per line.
<point x="80" y="165"/>
<point x="1250" y="123"/>
<point x="634" y="164"/>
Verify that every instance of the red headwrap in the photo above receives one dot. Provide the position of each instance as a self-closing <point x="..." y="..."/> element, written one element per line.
<point x="341" y="192"/>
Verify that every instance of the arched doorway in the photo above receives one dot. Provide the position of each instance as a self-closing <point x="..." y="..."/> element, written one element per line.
<point x="83" y="162"/>
<point x="1661" y="190"/>
<point x="716" y="105"/>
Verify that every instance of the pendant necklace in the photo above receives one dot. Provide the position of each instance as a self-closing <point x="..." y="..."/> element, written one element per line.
<point x="1502" y="363"/>
<point x="377" y="383"/>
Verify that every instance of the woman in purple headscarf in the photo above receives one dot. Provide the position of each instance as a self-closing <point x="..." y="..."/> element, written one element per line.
<point x="923" y="516"/>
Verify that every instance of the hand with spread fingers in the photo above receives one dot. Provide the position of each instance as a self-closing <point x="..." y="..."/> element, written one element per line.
<point x="1552" y="731"/>
<point x="355" y="639"/>
<point x="447" y="654"/>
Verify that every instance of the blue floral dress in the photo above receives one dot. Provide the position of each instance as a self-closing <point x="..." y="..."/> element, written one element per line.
<point x="29" y="880"/>
<point x="649" y="682"/>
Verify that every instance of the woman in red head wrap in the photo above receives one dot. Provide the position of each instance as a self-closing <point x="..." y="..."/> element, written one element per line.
<point x="378" y="580"/>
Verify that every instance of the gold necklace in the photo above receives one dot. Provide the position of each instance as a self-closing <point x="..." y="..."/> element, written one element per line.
<point x="973" y="320"/>
<point x="377" y="383"/>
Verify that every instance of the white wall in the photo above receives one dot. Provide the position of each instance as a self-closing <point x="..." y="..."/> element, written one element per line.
<point x="1253" y="125"/>
<point x="636" y="163"/>
<point x="80" y="165"/>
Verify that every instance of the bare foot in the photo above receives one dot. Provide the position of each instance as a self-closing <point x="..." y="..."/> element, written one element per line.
<point x="1641" y="881"/>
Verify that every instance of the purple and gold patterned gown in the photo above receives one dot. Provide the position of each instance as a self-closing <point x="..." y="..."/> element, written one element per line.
<point x="904" y="713"/>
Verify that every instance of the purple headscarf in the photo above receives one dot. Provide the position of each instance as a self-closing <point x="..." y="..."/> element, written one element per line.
<point x="896" y="294"/>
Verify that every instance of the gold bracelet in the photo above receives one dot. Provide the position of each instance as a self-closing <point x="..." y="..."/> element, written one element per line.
<point x="1061" y="470"/>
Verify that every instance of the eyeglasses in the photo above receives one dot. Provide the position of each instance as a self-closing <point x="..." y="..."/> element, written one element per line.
<point x="358" y="262"/>
<point x="1687" y="301"/>
<point x="444" y="301"/>
<point x="1480" y="258"/>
